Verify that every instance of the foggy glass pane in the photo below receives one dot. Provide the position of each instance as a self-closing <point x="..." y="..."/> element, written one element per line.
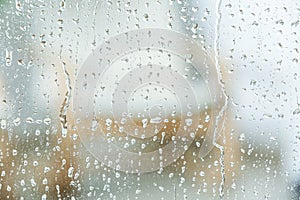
<point x="149" y="99"/>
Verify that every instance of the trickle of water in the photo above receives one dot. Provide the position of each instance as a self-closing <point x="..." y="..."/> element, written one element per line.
<point x="222" y="166"/>
<point x="163" y="137"/>
<point x="220" y="79"/>
<point x="66" y="103"/>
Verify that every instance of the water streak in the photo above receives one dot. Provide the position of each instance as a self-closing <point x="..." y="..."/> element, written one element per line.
<point x="66" y="103"/>
<point x="221" y="82"/>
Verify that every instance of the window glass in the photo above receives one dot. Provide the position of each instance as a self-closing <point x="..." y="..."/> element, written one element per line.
<point x="142" y="99"/>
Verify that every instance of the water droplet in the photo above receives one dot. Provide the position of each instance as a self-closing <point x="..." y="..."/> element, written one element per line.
<point x="188" y="122"/>
<point x="296" y="112"/>
<point x="156" y="120"/>
<point x="8" y="57"/>
<point x="146" y="17"/>
<point x="17" y="121"/>
<point x="14" y="152"/>
<point x="108" y="122"/>
<point x="145" y="122"/>
<point x="70" y="172"/>
<point x="3" y="124"/>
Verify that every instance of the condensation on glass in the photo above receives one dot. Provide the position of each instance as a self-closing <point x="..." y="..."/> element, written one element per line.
<point x="149" y="99"/>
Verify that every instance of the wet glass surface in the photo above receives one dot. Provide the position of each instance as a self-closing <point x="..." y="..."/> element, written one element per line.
<point x="149" y="99"/>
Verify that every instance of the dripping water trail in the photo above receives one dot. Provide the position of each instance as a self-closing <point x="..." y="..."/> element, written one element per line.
<point x="174" y="191"/>
<point x="66" y="103"/>
<point x="221" y="82"/>
<point x="222" y="153"/>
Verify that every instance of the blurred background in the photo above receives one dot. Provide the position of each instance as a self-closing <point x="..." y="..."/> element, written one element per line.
<point x="44" y="45"/>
